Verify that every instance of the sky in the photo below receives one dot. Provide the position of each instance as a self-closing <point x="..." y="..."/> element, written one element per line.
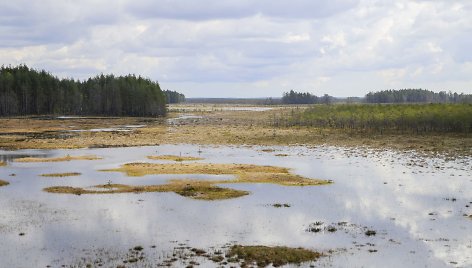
<point x="247" y="48"/>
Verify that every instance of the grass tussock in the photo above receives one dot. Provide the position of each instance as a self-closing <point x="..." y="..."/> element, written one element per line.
<point x="67" y="174"/>
<point x="3" y="183"/>
<point x="2" y="164"/>
<point x="174" y="158"/>
<point x="201" y="190"/>
<point x="245" y="173"/>
<point x="57" y="159"/>
<point x="277" y="256"/>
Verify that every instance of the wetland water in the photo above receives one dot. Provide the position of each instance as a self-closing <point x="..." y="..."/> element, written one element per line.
<point x="418" y="208"/>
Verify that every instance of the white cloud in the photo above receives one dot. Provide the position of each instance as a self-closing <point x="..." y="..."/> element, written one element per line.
<point x="248" y="48"/>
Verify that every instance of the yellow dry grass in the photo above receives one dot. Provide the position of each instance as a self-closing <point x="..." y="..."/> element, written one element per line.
<point x="217" y="127"/>
<point x="245" y="173"/>
<point x="3" y="183"/>
<point x="57" y="159"/>
<point x="41" y="133"/>
<point x="196" y="189"/>
<point x="2" y="164"/>
<point x="174" y="158"/>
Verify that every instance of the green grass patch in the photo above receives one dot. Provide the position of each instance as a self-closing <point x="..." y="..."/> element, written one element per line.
<point x="380" y="118"/>
<point x="277" y="256"/>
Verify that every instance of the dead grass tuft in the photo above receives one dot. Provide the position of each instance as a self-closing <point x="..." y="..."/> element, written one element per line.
<point x="57" y="159"/>
<point x="174" y="158"/>
<point x="3" y="183"/>
<point x="202" y="190"/>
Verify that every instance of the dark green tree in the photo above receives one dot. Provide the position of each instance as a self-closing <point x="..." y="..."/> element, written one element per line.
<point x="24" y="91"/>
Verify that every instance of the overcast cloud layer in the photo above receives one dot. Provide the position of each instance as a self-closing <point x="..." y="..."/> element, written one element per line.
<point x="248" y="48"/>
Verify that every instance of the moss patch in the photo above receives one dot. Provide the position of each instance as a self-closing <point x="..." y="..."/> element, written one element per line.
<point x="202" y="190"/>
<point x="68" y="174"/>
<point x="244" y="173"/>
<point x="174" y="158"/>
<point x="277" y="256"/>
<point x="3" y="183"/>
<point x="57" y="159"/>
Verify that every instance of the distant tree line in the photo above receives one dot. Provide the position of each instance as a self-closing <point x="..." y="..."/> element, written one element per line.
<point x="24" y="91"/>
<point x="416" y="96"/>
<point x="174" y="96"/>
<point x="293" y="97"/>
<point x="384" y="96"/>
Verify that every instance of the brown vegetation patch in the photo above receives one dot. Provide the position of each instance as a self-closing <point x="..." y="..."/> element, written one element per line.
<point x="217" y="127"/>
<point x="277" y="256"/>
<point x="57" y="159"/>
<point x="2" y="164"/>
<point x="36" y="132"/>
<point x="279" y="205"/>
<point x="3" y="183"/>
<point x="174" y="158"/>
<point x="67" y="174"/>
<point x="196" y="189"/>
<point x="245" y="173"/>
<point x="281" y="155"/>
<point x="202" y="190"/>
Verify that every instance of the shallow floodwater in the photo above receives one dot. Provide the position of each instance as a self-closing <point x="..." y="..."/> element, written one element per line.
<point x="218" y="107"/>
<point x="417" y="207"/>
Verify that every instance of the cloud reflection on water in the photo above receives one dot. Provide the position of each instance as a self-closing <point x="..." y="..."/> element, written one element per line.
<point x="398" y="210"/>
